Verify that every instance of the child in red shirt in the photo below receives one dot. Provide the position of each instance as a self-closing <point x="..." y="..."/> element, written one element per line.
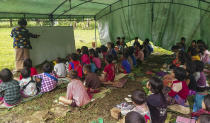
<point x="75" y="64"/>
<point x="28" y="64"/>
<point x="109" y="70"/>
<point x="179" y="89"/>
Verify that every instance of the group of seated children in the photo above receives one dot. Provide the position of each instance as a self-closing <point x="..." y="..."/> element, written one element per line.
<point x="186" y="78"/>
<point x="82" y="65"/>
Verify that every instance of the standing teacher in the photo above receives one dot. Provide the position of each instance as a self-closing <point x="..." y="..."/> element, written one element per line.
<point x="21" y="43"/>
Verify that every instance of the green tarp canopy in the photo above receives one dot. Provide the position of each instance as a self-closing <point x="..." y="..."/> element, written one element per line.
<point x="162" y="21"/>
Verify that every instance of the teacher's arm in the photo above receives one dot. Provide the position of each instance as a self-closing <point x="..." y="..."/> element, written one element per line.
<point x="34" y="35"/>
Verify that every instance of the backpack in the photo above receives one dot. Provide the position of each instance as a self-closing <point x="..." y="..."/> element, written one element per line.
<point x="32" y="81"/>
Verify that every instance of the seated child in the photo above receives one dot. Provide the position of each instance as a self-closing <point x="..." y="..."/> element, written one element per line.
<point x="200" y="77"/>
<point x="139" y="53"/>
<point x="75" y="64"/>
<point x="156" y="101"/>
<point x="125" y="65"/>
<point x="60" y="68"/>
<point x="104" y="51"/>
<point x="79" y="53"/>
<point x="109" y="70"/>
<point x="205" y="58"/>
<point x="139" y="100"/>
<point x="76" y="93"/>
<point x="179" y="89"/>
<point x="85" y="59"/>
<point x="190" y="68"/>
<point x="96" y="60"/>
<point x="134" y="117"/>
<point x="111" y="50"/>
<point x="199" y="96"/>
<point x="204" y="118"/>
<point x="28" y="64"/>
<point x="92" y="81"/>
<point x="205" y="107"/>
<point x="131" y="55"/>
<point x="9" y="89"/>
<point x="27" y="85"/>
<point x="47" y="79"/>
<point x="98" y="51"/>
<point x="195" y="55"/>
<point x="136" y="42"/>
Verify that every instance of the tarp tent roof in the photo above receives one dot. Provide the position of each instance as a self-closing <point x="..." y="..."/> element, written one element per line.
<point x="52" y="8"/>
<point x="163" y="21"/>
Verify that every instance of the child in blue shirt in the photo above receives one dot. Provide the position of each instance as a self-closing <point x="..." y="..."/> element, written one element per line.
<point x="125" y="65"/>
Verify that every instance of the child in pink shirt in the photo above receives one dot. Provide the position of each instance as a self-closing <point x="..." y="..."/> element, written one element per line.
<point x="76" y="92"/>
<point x="95" y="58"/>
<point x="85" y="59"/>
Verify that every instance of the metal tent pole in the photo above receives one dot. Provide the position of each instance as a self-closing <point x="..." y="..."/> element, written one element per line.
<point x="95" y="33"/>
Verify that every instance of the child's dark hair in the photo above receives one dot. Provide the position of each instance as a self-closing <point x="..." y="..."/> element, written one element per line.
<point x="134" y="117"/>
<point x="73" y="74"/>
<point x="96" y="54"/>
<point x="118" y="43"/>
<point x="138" y="97"/>
<point x="183" y="39"/>
<point x="58" y="60"/>
<point x="156" y="85"/>
<point x="126" y="54"/>
<point x="109" y="59"/>
<point x="193" y="41"/>
<point x="27" y="63"/>
<point x="92" y="51"/>
<point x="190" y="67"/>
<point x="84" y="50"/>
<point x="74" y="57"/>
<point x="6" y="75"/>
<point x="206" y="101"/>
<point x="47" y="67"/>
<point x="87" y="68"/>
<point x="103" y="48"/>
<point x="118" y="37"/>
<point x="131" y="50"/>
<point x="204" y="118"/>
<point x="79" y="50"/>
<point x="136" y="38"/>
<point x="182" y="57"/>
<point x="98" y="50"/>
<point x="141" y="47"/>
<point x="180" y="73"/>
<point x="199" y="66"/>
<point x="194" y="52"/>
<point x="25" y="72"/>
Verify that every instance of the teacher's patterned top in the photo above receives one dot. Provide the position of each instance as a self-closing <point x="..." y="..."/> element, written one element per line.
<point x="21" y="37"/>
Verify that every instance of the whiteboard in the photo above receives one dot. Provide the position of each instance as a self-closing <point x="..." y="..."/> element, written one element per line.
<point x="53" y="42"/>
